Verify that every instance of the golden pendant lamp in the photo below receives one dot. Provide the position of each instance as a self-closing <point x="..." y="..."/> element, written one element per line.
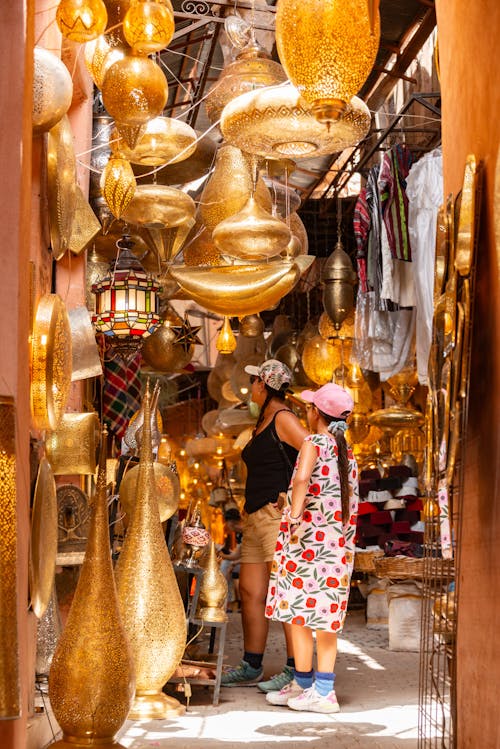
<point x="81" y="20"/>
<point x="163" y="140"/>
<point x="149" y="25"/>
<point x="159" y="207"/>
<point x="325" y="361"/>
<point x="276" y="121"/>
<point x="118" y="184"/>
<point x="134" y="91"/>
<point x="52" y="90"/>
<point x="199" y="248"/>
<point x="327" y="48"/>
<point x="339" y="279"/>
<point x="230" y="186"/>
<point x="151" y="606"/>
<point x="99" y="55"/>
<point x="251" y="234"/>
<point x="239" y="290"/>
<point x="91" y="680"/>
<point x="252" y="69"/>
<point x="163" y="353"/>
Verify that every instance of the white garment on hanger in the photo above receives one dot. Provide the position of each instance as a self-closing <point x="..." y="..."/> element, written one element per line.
<point x="424" y="188"/>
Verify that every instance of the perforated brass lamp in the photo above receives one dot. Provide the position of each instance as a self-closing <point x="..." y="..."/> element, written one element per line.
<point x="149" y="25"/>
<point x="126" y="300"/>
<point x="81" y="20"/>
<point x="327" y="48"/>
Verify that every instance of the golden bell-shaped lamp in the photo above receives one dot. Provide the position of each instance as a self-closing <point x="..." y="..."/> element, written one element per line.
<point x="402" y="385"/>
<point x="339" y="279"/>
<point x="81" y="20"/>
<point x="149" y="25"/>
<point x="99" y="55"/>
<point x="163" y="352"/>
<point x="151" y="606"/>
<point x="358" y="428"/>
<point x="226" y="340"/>
<point x="162" y="140"/>
<point x="52" y="90"/>
<point x="252" y="69"/>
<point x="327" y="49"/>
<point x="277" y="122"/>
<point x="134" y="91"/>
<point x="229" y="187"/>
<point x="213" y="590"/>
<point x="91" y="679"/>
<point x="251" y="234"/>
<point x="118" y="184"/>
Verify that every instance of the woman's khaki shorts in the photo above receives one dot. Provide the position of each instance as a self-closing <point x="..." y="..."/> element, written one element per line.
<point x="260" y="531"/>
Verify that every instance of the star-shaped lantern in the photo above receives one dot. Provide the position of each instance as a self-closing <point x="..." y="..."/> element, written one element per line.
<point x="187" y="335"/>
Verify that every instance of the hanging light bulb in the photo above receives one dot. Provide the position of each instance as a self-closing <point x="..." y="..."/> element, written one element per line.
<point x="149" y="25"/>
<point x="118" y="184"/>
<point x="226" y="341"/>
<point x="81" y="20"/>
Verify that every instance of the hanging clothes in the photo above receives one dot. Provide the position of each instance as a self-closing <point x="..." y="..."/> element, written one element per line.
<point x="394" y="201"/>
<point x="425" y="194"/>
<point x="361" y="224"/>
<point x="121" y="396"/>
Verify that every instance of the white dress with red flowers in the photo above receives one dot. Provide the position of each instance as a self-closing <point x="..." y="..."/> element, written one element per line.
<point x="312" y="569"/>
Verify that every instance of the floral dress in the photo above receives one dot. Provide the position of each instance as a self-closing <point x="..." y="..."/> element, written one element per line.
<point x="312" y="568"/>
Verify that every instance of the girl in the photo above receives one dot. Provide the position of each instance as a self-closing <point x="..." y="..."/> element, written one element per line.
<point x="311" y="571"/>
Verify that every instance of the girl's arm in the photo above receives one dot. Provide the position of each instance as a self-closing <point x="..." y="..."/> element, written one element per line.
<point x="306" y="460"/>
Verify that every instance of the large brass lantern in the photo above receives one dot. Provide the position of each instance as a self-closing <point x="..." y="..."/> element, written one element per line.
<point x="339" y="279"/>
<point x="327" y="48"/>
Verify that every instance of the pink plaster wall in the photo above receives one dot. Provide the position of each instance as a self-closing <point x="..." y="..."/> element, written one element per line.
<point x="468" y="45"/>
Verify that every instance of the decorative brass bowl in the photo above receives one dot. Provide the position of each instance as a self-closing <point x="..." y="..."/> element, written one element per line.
<point x="43" y="541"/>
<point x="276" y="121"/>
<point x="51" y="364"/>
<point x="61" y="186"/>
<point x="167" y="490"/>
<point x="159" y="206"/>
<point x="239" y="290"/>
<point x="396" y="417"/>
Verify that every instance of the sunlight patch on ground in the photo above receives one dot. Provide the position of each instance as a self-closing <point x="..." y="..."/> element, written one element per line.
<point x="344" y="646"/>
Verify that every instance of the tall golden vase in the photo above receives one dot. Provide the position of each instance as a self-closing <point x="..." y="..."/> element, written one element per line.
<point x="150" y="602"/>
<point x="91" y="680"/>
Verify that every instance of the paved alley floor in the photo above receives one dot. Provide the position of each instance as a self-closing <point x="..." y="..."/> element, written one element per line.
<point x="377" y="691"/>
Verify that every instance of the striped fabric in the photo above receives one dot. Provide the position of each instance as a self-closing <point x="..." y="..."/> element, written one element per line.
<point x="361" y="223"/>
<point x="121" y="396"/>
<point x="394" y="202"/>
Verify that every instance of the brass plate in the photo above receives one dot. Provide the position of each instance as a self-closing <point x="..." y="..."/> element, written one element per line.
<point x="85" y="225"/>
<point x="61" y="186"/>
<point x="73" y="520"/>
<point x="167" y="488"/>
<point x="51" y="362"/>
<point x="467" y="222"/>
<point x="43" y="542"/>
<point x="442" y="250"/>
<point x="72" y="447"/>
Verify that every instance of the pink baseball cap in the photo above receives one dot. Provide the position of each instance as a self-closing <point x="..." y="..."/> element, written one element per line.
<point x="332" y="399"/>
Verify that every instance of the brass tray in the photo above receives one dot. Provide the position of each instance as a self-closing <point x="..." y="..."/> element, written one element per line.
<point x="51" y="362"/>
<point x="43" y="542"/>
<point x="61" y="186"/>
<point x="167" y="489"/>
<point x="467" y="222"/>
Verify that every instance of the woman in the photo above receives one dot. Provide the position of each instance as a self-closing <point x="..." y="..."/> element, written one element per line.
<point x="269" y="457"/>
<point x="312" y="567"/>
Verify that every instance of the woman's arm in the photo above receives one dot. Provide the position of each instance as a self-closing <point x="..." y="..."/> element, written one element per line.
<point x="290" y="430"/>
<point x="306" y="460"/>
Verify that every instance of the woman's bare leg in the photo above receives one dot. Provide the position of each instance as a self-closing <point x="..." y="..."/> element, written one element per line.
<point x="326" y="645"/>
<point x="303" y="647"/>
<point x="254" y="581"/>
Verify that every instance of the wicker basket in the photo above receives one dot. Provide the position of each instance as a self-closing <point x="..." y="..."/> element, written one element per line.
<point x="364" y="561"/>
<point x="399" y="568"/>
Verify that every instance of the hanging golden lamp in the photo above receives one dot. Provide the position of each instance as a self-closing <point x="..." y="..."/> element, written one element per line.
<point x="148" y="25"/>
<point x="199" y="248"/>
<point x="252" y="69"/>
<point x="327" y="49"/>
<point x="99" y="55"/>
<point x="134" y="91"/>
<point x="327" y="329"/>
<point x="52" y="90"/>
<point x="276" y="121"/>
<point x="81" y="20"/>
<point x="226" y="340"/>
<point x="118" y="184"/>
<point x="162" y="140"/>
<point x="339" y="279"/>
<point x="325" y="361"/>
<point x="251" y="234"/>
<point x="163" y="351"/>
<point x="240" y="290"/>
<point x="230" y="186"/>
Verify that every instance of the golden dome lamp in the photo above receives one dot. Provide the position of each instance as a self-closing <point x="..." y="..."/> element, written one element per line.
<point x="251" y="234"/>
<point x="99" y="55"/>
<point x="327" y="49"/>
<point x="163" y="140"/>
<point x="339" y="279"/>
<point x="148" y="25"/>
<point x="81" y="20"/>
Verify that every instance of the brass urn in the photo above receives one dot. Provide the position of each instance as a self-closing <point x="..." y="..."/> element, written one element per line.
<point x="213" y="590"/>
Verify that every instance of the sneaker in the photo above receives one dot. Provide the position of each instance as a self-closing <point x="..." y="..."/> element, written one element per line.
<point x="278" y="681"/>
<point x="312" y="701"/>
<point x="241" y="676"/>
<point x="282" y="696"/>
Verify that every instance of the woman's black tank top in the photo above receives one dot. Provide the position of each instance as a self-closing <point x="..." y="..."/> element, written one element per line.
<point x="268" y="471"/>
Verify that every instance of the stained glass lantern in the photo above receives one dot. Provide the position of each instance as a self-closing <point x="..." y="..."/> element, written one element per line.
<point x="126" y="301"/>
